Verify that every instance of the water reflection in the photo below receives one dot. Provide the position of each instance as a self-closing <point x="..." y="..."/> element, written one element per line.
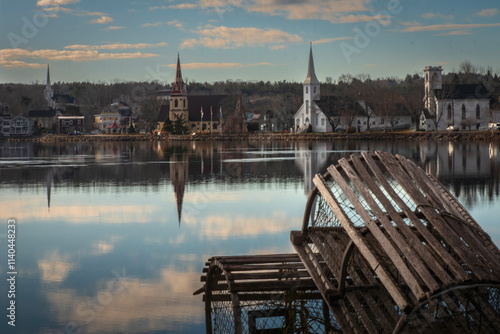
<point x="155" y="211"/>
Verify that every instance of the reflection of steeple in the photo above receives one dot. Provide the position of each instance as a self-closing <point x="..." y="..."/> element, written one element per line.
<point x="50" y="178"/>
<point x="179" y="169"/>
<point x="311" y="160"/>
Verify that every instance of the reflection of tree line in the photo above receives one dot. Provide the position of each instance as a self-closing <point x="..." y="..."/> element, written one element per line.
<point x="470" y="168"/>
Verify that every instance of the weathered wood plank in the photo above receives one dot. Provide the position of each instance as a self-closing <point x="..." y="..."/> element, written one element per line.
<point x="402" y="244"/>
<point x="393" y="289"/>
<point x="396" y="170"/>
<point x="443" y="256"/>
<point x="281" y="275"/>
<point x="366" y="319"/>
<point x="413" y="241"/>
<point x="385" y="243"/>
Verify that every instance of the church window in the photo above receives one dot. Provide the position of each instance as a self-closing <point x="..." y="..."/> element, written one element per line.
<point x="478" y="112"/>
<point x="297" y="121"/>
<point x="176" y="103"/>
<point x="463" y="111"/>
<point x="307" y="120"/>
<point x="322" y="122"/>
<point x="449" y="111"/>
<point x="307" y="107"/>
<point x="307" y="90"/>
<point x="314" y="89"/>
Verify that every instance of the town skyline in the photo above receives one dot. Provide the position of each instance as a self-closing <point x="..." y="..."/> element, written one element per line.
<point x="240" y="39"/>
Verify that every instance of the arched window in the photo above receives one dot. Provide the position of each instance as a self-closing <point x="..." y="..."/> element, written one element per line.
<point x="322" y="122"/>
<point x="463" y="111"/>
<point x="307" y="90"/>
<point x="449" y="111"/>
<point x="478" y="112"/>
<point x="297" y="121"/>
<point x="176" y="103"/>
<point x="307" y="120"/>
<point x="307" y="107"/>
<point x="314" y="89"/>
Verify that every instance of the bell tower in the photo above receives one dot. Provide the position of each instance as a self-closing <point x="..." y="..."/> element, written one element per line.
<point x="433" y="81"/>
<point x="178" y="97"/>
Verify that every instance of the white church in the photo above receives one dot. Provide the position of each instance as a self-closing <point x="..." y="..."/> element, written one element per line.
<point x="461" y="106"/>
<point x="309" y="112"/>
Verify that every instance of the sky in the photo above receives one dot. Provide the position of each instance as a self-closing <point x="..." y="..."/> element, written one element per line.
<point x="126" y="40"/>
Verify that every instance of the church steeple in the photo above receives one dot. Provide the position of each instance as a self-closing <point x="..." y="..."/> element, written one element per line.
<point x="179" y="87"/>
<point x="49" y="93"/>
<point x="311" y="83"/>
<point x="311" y="74"/>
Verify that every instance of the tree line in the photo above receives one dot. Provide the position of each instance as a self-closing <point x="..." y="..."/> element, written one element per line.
<point x="385" y="96"/>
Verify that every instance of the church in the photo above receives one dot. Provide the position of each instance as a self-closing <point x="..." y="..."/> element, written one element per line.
<point x="199" y="113"/>
<point x="310" y="113"/>
<point x="453" y="106"/>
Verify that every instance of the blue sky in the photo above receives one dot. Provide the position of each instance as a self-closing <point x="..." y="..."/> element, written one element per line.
<point x="107" y="40"/>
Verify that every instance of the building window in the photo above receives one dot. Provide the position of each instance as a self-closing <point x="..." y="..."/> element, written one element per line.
<point x="463" y="111"/>
<point x="322" y="122"/>
<point x="478" y="112"/>
<point x="184" y="103"/>
<point x="382" y="121"/>
<point x="449" y="111"/>
<point x="297" y="121"/>
<point x="204" y="126"/>
<point x="314" y="89"/>
<point x="307" y="120"/>
<point x="214" y="126"/>
<point x="307" y="107"/>
<point x="307" y="90"/>
<point x="176" y="103"/>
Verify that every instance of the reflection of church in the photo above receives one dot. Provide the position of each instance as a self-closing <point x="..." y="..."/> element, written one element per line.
<point x="179" y="173"/>
<point x="310" y="159"/>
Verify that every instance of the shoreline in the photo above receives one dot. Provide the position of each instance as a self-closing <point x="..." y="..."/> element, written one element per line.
<point x="389" y="136"/>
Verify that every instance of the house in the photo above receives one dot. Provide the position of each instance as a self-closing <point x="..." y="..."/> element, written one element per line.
<point x="70" y="124"/>
<point x="199" y="113"/>
<point x="464" y="106"/>
<point x="117" y="117"/>
<point x="5" y="120"/>
<point x="309" y="112"/>
<point x="44" y="119"/>
<point x="20" y="126"/>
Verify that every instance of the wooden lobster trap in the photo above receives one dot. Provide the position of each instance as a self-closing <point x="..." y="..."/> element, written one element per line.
<point x="401" y="253"/>
<point x="384" y="248"/>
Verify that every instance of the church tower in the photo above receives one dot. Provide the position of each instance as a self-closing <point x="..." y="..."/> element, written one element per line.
<point x="178" y="97"/>
<point x="433" y="81"/>
<point x="311" y="84"/>
<point x="48" y="92"/>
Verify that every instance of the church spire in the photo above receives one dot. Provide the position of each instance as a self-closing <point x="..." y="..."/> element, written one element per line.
<point x="311" y="75"/>
<point x="179" y="87"/>
<point x="48" y="77"/>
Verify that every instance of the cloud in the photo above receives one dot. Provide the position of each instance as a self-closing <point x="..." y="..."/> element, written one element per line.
<point x="115" y="46"/>
<point x="58" y="9"/>
<point x="115" y="27"/>
<point x="102" y="20"/>
<point x="439" y="27"/>
<point x="156" y="24"/>
<point x="488" y="12"/>
<point x="54" y="267"/>
<point x="456" y="33"/>
<point x="54" y="3"/>
<point x="433" y="15"/>
<point x="226" y="38"/>
<point x="217" y="65"/>
<point x="183" y="6"/>
<point x="329" y="40"/>
<point x="176" y="24"/>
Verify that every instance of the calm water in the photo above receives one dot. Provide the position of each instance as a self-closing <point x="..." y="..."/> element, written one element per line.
<point x="112" y="237"/>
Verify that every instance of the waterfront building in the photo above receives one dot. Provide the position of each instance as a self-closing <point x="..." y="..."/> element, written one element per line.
<point x="453" y="106"/>
<point x="199" y="113"/>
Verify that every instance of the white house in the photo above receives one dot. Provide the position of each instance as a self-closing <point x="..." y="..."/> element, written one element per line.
<point x="463" y="106"/>
<point x="309" y="113"/>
